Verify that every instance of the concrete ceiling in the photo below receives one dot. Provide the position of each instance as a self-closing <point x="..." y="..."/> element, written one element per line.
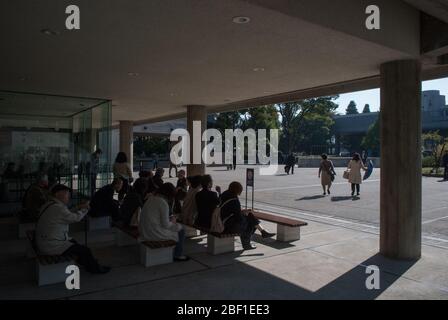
<point x="152" y="58"/>
<point x="435" y="8"/>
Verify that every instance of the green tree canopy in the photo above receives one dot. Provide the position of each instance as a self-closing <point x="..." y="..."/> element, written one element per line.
<point x="366" y="109"/>
<point x="371" y="141"/>
<point x="351" y="108"/>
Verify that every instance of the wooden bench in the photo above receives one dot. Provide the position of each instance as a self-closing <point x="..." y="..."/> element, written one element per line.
<point x="49" y="269"/>
<point x="152" y="253"/>
<point x="288" y="229"/>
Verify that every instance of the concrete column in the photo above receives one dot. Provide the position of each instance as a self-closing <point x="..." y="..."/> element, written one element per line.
<point x="127" y="140"/>
<point x="401" y="169"/>
<point x="196" y="113"/>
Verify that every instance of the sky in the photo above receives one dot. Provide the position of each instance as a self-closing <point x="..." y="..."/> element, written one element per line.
<point x="372" y="97"/>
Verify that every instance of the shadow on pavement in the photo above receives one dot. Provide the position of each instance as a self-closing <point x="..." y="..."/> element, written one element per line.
<point x="311" y="198"/>
<point x="335" y="199"/>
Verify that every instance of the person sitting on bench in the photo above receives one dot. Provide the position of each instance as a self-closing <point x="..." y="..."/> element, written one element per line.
<point x="158" y="177"/>
<point x="35" y="197"/>
<point x="157" y="225"/>
<point x="207" y="201"/>
<point x="181" y="192"/>
<point x="103" y="203"/>
<point x="189" y="207"/>
<point x="237" y="220"/>
<point x="133" y="202"/>
<point x="52" y="230"/>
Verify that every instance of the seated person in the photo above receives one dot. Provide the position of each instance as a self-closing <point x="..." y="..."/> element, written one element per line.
<point x="35" y="197"/>
<point x="156" y="223"/>
<point x="52" y="230"/>
<point x="182" y="183"/>
<point x="189" y="208"/>
<point x="206" y="201"/>
<point x="158" y="177"/>
<point x="145" y="174"/>
<point x="103" y="203"/>
<point x="239" y="221"/>
<point x="133" y="202"/>
<point x="181" y="192"/>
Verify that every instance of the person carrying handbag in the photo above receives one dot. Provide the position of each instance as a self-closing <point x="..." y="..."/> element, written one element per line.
<point x="326" y="174"/>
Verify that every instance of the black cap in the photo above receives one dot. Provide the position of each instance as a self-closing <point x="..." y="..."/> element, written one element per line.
<point x="60" y="187"/>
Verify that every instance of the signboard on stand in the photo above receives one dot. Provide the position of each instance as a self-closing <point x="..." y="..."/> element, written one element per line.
<point x="250" y="183"/>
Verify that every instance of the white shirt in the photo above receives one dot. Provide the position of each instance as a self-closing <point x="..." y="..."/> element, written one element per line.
<point x="155" y="224"/>
<point x="52" y="227"/>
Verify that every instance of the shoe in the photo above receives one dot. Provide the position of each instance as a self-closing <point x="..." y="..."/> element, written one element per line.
<point x="324" y="194"/>
<point x="249" y="247"/>
<point x="100" y="270"/>
<point x="328" y="191"/>
<point x="181" y="258"/>
<point x="353" y="194"/>
<point x="266" y="234"/>
<point x="358" y="194"/>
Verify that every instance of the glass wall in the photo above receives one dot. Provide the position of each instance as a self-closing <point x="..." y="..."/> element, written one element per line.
<point x="55" y="144"/>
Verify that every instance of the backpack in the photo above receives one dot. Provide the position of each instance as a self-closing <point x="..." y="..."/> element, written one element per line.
<point x="217" y="225"/>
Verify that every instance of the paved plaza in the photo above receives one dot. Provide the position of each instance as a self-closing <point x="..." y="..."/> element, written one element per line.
<point x="300" y="195"/>
<point x="329" y="262"/>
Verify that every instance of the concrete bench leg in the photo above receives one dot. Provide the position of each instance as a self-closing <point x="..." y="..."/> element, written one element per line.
<point x="52" y="273"/>
<point x="153" y="257"/>
<point x="217" y="246"/>
<point x="122" y="239"/>
<point x="24" y="227"/>
<point x="30" y="253"/>
<point x="287" y="234"/>
<point x="98" y="223"/>
<point x="190" y="232"/>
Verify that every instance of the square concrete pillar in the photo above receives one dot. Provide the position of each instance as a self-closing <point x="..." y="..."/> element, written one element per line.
<point x="196" y="114"/>
<point x="127" y="140"/>
<point x="401" y="166"/>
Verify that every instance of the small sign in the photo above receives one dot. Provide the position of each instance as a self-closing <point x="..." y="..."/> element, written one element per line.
<point x="250" y="177"/>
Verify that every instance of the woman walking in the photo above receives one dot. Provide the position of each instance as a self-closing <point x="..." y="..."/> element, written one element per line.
<point x="326" y="173"/>
<point x="354" y="177"/>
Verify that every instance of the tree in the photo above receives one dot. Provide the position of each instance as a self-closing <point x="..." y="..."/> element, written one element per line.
<point x="306" y="121"/>
<point x="366" y="109"/>
<point x="437" y="144"/>
<point x="288" y="112"/>
<point x="351" y="108"/>
<point x="371" y="141"/>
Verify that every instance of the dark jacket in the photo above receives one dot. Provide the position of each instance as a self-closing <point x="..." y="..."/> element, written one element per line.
<point x="131" y="203"/>
<point x="445" y="160"/>
<point x="231" y="213"/>
<point x="103" y="203"/>
<point x="158" y="181"/>
<point x="206" y="202"/>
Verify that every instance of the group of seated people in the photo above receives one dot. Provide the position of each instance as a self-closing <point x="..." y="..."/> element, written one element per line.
<point x="153" y="206"/>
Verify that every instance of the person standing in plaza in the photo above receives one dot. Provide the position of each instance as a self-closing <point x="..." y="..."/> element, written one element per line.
<point x="92" y="170"/>
<point x="445" y="166"/>
<point x="326" y="173"/>
<point x="354" y="166"/>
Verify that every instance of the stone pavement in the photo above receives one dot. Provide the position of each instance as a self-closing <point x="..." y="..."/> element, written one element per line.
<point x="329" y="262"/>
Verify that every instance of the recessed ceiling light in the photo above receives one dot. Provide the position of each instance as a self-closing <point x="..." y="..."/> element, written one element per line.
<point x="258" y="69"/>
<point x="133" y="74"/>
<point x="241" y="20"/>
<point x="50" y="32"/>
<point x="173" y="94"/>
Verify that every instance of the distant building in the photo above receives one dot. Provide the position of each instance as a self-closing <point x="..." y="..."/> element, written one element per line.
<point x="434" y="117"/>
